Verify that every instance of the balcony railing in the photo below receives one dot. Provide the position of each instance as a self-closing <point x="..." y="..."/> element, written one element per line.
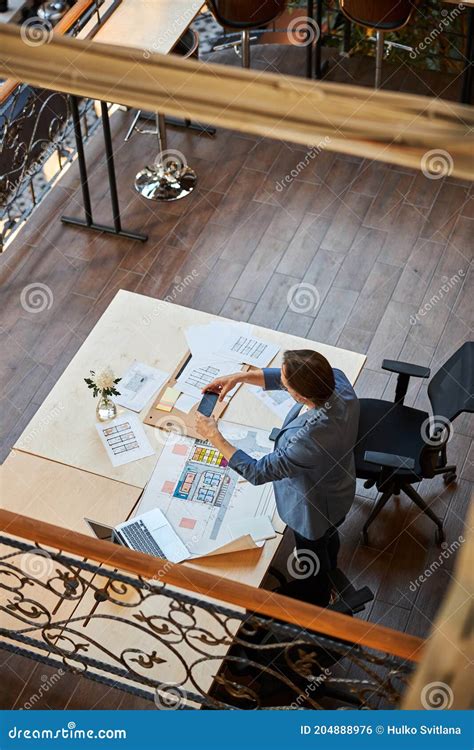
<point x="182" y="637"/>
<point x="36" y="130"/>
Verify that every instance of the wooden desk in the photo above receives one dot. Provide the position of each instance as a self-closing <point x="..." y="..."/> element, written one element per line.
<point x="150" y="25"/>
<point x="62" y="495"/>
<point x="151" y="331"/>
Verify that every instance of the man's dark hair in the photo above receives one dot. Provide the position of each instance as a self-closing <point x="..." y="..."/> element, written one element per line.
<point x="309" y="374"/>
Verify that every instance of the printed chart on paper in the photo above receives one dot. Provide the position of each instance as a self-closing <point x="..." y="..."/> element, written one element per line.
<point x="200" y="495"/>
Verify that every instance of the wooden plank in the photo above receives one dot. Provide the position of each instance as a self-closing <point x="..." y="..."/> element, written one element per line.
<point x="374" y="124"/>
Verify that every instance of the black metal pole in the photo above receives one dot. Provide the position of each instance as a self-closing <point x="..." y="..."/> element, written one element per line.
<point x="347" y="35"/>
<point x="86" y="197"/>
<point x="467" y="75"/>
<point x="319" y="42"/>
<point x="109" y="155"/>
<point x="309" y="48"/>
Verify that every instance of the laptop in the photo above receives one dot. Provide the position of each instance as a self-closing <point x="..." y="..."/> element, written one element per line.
<point x="149" y="532"/>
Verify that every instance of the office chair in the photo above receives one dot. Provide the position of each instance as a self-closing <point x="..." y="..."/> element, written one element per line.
<point x="398" y="446"/>
<point x="245" y="16"/>
<point x="381" y="15"/>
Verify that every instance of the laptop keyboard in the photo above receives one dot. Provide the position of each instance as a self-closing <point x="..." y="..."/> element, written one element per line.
<point x="139" y="538"/>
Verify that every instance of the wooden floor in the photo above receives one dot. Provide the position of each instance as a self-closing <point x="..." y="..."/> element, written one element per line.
<point x="371" y="243"/>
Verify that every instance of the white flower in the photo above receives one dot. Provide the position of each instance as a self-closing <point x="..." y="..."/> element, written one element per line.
<point x="104" y="379"/>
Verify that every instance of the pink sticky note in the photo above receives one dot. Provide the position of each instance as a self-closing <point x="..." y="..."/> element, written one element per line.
<point x="187" y="523"/>
<point x="180" y="450"/>
<point x="168" y="487"/>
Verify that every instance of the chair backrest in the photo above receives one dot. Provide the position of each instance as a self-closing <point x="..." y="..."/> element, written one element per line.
<point x="246" y="14"/>
<point x="386" y="15"/>
<point x="451" y="390"/>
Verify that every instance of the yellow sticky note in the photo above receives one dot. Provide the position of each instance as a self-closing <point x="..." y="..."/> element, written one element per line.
<point x="168" y="399"/>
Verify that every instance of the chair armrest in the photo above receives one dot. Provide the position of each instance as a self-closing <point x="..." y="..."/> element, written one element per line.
<point x="389" y="460"/>
<point x="405" y="371"/>
<point x="405" y="368"/>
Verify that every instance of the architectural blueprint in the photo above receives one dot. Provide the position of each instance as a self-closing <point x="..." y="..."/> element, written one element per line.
<point x="201" y="496"/>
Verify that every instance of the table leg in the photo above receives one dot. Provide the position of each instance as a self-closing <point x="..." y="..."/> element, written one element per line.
<point x="88" y="222"/>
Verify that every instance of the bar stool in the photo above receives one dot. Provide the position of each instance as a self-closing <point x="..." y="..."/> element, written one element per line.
<point x="169" y="178"/>
<point x="381" y="15"/>
<point x="246" y="16"/>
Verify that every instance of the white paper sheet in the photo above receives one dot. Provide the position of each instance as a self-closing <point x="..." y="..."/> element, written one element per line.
<point x="260" y="528"/>
<point x="138" y="386"/>
<point x="230" y="341"/>
<point x="204" y="340"/>
<point x="199" y="372"/>
<point x="280" y="402"/>
<point x="124" y="439"/>
<point x="185" y="402"/>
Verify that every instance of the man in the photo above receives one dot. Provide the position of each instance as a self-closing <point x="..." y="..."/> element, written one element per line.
<point x="312" y="465"/>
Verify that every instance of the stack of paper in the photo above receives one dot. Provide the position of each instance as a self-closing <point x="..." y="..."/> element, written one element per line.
<point x="225" y="340"/>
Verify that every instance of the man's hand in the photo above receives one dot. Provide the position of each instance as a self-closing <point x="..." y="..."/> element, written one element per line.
<point x="224" y="384"/>
<point x="207" y="427"/>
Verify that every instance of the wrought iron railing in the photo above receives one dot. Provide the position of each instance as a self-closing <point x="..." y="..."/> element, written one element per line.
<point x="36" y="130"/>
<point x="185" y="638"/>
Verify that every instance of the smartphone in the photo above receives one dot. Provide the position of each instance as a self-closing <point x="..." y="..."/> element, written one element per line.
<point x="208" y="402"/>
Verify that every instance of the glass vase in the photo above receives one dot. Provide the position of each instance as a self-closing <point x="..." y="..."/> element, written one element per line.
<point x="106" y="409"/>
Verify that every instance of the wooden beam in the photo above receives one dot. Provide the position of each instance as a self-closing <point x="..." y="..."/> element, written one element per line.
<point x="264" y="602"/>
<point x="391" y="127"/>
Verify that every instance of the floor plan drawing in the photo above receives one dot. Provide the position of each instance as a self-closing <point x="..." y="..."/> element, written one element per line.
<point x="201" y="496"/>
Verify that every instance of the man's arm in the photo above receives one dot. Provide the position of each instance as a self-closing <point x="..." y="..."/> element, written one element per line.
<point x="275" y="465"/>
